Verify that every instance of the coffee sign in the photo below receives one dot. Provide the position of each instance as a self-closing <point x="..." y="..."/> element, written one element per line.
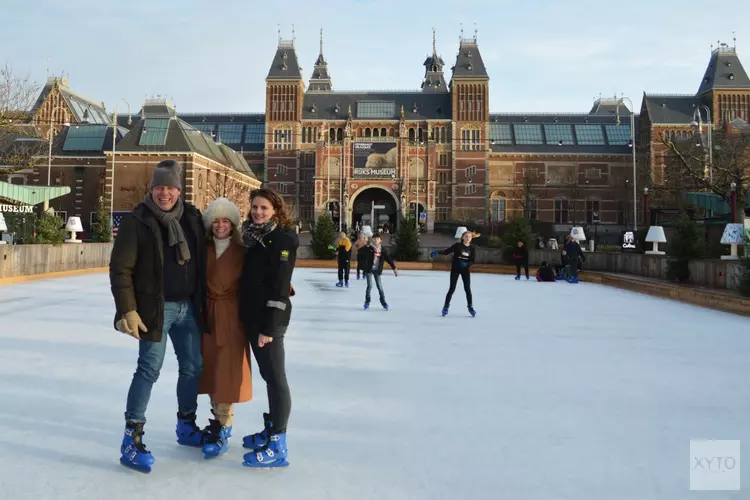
<point x="629" y="243"/>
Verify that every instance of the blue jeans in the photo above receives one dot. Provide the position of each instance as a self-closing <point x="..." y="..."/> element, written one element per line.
<point x="180" y="325"/>
<point x="378" y="284"/>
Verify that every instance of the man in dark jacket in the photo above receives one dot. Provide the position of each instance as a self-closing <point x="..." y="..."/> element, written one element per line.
<point x="573" y="253"/>
<point x="521" y="256"/>
<point x="374" y="255"/>
<point x="157" y="275"/>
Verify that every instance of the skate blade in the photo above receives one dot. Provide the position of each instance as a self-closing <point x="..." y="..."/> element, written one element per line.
<point x="143" y="469"/>
<point x="269" y="466"/>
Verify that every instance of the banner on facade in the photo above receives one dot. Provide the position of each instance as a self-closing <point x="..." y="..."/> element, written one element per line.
<point x="378" y="160"/>
<point x="17" y="209"/>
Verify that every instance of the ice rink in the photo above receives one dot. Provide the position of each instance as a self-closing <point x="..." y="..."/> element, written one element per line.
<point x="554" y="391"/>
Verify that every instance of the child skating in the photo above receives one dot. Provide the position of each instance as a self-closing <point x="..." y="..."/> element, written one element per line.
<point x="463" y="258"/>
<point x="359" y="245"/>
<point x="344" y="254"/>
<point x="374" y="257"/>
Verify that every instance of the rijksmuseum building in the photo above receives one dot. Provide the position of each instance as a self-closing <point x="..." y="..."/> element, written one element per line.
<point x="437" y="150"/>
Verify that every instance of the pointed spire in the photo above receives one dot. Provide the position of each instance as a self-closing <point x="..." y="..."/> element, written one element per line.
<point x="320" y="79"/>
<point x="434" y="49"/>
<point x="434" y="81"/>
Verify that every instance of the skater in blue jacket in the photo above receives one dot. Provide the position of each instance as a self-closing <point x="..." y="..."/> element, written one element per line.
<point x="463" y="258"/>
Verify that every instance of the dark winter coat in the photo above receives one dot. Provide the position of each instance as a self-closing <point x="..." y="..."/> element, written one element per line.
<point x="545" y="273"/>
<point x="463" y="256"/>
<point x="136" y="269"/>
<point x="521" y="255"/>
<point x="368" y="259"/>
<point x="266" y="284"/>
<point x="573" y="252"/>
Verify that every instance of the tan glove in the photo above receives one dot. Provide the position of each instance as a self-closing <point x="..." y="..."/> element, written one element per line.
<point x="131" y="324"/>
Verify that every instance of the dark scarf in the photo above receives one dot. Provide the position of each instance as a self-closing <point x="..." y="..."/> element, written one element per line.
<point x="254" y="233"/>
<point x="171" y="222"/>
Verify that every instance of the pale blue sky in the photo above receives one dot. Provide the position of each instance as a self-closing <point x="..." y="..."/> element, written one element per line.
<point x="542" y="55"/>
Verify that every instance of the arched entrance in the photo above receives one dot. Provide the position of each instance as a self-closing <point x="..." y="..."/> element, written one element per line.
<point x="362" y="208"/>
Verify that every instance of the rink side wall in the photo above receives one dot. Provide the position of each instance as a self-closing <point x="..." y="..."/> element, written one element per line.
<point x="18" y="261"/>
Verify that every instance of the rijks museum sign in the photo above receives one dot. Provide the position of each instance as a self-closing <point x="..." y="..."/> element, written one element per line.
<point x="375" y="160"/>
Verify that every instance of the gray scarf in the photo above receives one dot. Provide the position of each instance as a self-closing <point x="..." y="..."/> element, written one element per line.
<point x="171" y="221"/>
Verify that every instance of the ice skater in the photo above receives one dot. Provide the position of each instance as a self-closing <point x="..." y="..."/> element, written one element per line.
<point x="226" y="377"/>
<point x="521" y="256"/>
<point x="463" y="258"/>
<point x="573" y="253"/>
<point x="545" y="273"/>
<point x="265" y="311"/>
<point x="344" y="254"/>
<point x="374" y="258"/>
<point x="158" y="282"/>
<point x="359" y="245"/>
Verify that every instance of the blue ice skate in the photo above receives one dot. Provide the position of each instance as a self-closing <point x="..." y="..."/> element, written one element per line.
<point x="472" y="312"/>
<point x="518" y="278"/>
<point x="339" y="284"/>
<point x="189" y="434"/>
<point x="134" y="453"/>
<point x="445" y="311"/>
<point x="259" y="440"/>
<point x="274" y="455"/>
<point x="216" y="442"/>
<point x="367" y="306"/>
<point x="385" y="306"/>
<point x="346" y="283"/>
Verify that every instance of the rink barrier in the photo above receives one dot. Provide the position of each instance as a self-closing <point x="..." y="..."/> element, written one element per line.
<point x="24" y="262"/>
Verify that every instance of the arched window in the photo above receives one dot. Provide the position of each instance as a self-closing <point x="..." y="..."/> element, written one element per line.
<point x="376" y="132"/>
<point x="332" y="135"/>
<point x="411" y="135"/>
<point x="304" y="134"/>
<point x="391" y="132"/>
<point x="340" y="135"/>
<point x="383" y="132"/>
<point x="368" y="132"/>
<point x="420" y="134"/>
<point x="442" y="135"/>
<point x="315" y="134"/>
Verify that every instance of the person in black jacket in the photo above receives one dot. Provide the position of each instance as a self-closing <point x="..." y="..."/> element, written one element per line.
<point x="573" y="254"/>
<point x="344" y="255"/>
<point x="463" y="257"/>
<point x="265" y="311"/>
<point x="521" y="256"/>
<point x="545" y="273"/>
<point x="158" y="280"/>
<point x="374" y="255"/>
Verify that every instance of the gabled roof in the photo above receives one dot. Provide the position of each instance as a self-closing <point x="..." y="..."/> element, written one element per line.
<point x="84" y="110"/>
<point x="724" y="71"/>
<point x="181" y="137"/>
<point x="429" y="106"/>
<point x="671" y="109"/>
<point x="469" y="62"/>
<point x="285" y="65"/>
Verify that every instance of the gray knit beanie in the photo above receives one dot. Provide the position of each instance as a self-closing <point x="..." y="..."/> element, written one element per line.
<point x="167" y="173"/>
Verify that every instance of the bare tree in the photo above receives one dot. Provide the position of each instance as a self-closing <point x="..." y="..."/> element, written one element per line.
<point x="527" y="189"/>
<point x="18" y="145"/>
<point x="688" y="165"/>
<point x="136" y="191"/>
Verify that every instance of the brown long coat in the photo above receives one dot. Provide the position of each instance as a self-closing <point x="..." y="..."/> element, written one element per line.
<point x="226" y="354"/>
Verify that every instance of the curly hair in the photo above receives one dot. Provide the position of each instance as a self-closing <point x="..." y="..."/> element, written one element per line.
<point x="277" y="202"/>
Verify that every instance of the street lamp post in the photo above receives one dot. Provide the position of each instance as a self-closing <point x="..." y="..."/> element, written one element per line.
<point x="49" y="154"/>
<point x="112" y="178"/>
<point x="698" y="124"/>
<point x="632" y="145"/>
<point x="733" y="200"/>
<point x="646" y="218"/>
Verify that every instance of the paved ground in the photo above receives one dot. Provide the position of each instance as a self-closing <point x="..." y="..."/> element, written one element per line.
<point x="554" y="391"/>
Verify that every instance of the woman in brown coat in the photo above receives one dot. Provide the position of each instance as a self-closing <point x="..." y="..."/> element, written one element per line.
<point x="226" y="376"/>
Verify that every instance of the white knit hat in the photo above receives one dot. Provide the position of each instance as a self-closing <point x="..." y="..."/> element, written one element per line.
<point x="221" y="208"/>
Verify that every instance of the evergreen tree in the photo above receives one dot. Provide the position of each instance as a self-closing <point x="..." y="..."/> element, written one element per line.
<point x="687" y="243"/>
<point x="50" y="229"/>
<point x="101" y="230"/>
<point x="406" y="244"/>
<point x="322" y="238"/>
<point x="517" y="229"/>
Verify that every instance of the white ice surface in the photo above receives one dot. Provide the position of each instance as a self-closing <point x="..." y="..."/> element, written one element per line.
<point x="554" y="391"/>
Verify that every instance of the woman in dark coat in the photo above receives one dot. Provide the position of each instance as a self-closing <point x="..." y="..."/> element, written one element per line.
<point x="265" y="310"/>
<point x="521" y="256"/>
